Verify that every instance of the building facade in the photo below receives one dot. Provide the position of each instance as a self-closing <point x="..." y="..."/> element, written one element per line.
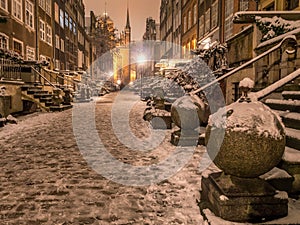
<point x="49" y="30"/>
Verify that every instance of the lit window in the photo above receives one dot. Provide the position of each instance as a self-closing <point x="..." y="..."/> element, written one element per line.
<point x="71" y="24"/>
<point x="29" y="13"/>
<point x="56" y="12"/>
<point x="17" y="9"/>
<point x="3" y="41"/>
<point x="42" y="30"/>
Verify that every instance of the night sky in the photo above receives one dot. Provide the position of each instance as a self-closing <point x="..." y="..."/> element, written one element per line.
<point x="139" y="10"/>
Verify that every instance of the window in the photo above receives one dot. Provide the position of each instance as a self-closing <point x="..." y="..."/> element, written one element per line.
<point x="18" y="46"/>
<point x="3" y="4"/>
<point x="29" y="9"/>
<point x="49" y="35"/>
<point x="3" y="41"/>
<point x="48" y="7"/>
<point x="207" y="21"/>
<point x="61" y="18"/>
<point x="42" y="30"/>
<point x="17" y="9"/>
<point x="71" y="24"/>
<point x="244" y="5"/>
<point x="30" y="53"/>
<point x="57" y="41"/>
<point x="56" y="12"/>
<point x="195" y="13"/>
<point x="66" y="19"/>
<point x="214" y="14"/>
<point x="62" y="45"/>
<point x="42" y="4"/>
<point x="201" y="26"/>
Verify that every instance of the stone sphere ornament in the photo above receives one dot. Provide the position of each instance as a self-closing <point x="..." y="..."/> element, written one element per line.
<point x="254" y="139"/>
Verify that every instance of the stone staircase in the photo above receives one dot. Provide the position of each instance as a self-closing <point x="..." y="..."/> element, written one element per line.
<point x="35" y="97"/>
<point x="288" y="108"/>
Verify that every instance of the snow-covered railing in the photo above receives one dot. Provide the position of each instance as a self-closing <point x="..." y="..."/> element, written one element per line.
<point x="43" y="77"/>
<point x="273" y="87"/>
<point x="284" y="43"/>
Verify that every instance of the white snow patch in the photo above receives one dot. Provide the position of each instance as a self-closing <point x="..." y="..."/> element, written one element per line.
<point x="223" y="198"/>
<point x="246" y="83"/>
<point x="281" y="195"/>
<point x="291" y="155"/>
<point x="275" y="173"/>
<point x="263" y="122"/>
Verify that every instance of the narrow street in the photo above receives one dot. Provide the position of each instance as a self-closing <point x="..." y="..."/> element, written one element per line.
<point x="45" y="179"/>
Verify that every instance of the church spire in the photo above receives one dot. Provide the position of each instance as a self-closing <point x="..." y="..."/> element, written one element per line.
<point x="127" y="22"/>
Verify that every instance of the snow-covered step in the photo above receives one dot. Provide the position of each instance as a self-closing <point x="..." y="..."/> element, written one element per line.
<point x="292" y="138"/>
<point x="290" y="119"/>
<point x="291" y="163"/>
<point x="295" y="95"/>
<point x="279" y="179"/>
<point x="284" y="105"/>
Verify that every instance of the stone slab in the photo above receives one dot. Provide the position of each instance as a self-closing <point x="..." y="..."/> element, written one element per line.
<point x="241" y="199"/>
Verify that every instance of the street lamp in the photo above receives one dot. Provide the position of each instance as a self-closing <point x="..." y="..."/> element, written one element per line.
<point x="141" y="60"/>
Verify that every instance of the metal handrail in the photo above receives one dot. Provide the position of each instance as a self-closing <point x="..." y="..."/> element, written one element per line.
<point x="273" y="87"/>
<point x="44" y="78"/>
<point x="285" y="41"/>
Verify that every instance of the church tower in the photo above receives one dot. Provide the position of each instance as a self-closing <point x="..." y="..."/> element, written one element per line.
<point x="127" y="30"/>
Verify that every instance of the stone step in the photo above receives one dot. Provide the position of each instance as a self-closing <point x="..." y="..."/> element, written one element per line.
<point x="291" y="163"/>
<point x="284" y="105"/>
<point x="46" y="99"/>
<point x="33" y="91"/>
<point x="25" y="87"/>
<point x="295" y="95"/>
<point x="290" y="119"/>
<point x="292" y="138"/>
<point x="60" y="108"/>
<point x="291" y="87"/>
<point x="42" y="95"/>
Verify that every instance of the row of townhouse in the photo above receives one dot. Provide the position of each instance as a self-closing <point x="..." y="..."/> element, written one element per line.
<point x="51" y="30"/>
<point x="190" y="22"/>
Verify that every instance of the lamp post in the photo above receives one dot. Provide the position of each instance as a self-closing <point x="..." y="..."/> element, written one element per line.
<point x="141" y="60"/>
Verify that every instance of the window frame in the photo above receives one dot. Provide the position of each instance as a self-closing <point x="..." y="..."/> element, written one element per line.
<point x="6" y="5"/>
<point x="31" y="14"/>
<point x="6" y="38"/>
<point x="42" y="30"/>
<point x="14" y="8"/>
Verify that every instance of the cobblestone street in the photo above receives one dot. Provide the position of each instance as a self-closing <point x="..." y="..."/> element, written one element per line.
<point x="45" y="180"/>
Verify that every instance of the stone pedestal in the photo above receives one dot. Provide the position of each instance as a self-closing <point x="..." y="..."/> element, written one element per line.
<point x="184" y="137"/>
<point x="242" y="199"/>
